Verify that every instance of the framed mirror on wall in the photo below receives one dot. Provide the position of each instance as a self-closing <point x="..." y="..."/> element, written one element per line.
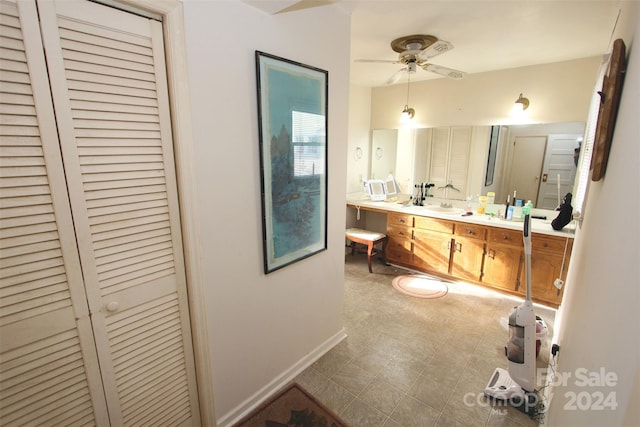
<point x="494" y="163"/>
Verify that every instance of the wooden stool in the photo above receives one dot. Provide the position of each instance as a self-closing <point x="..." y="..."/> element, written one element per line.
<point x="368" y="238"/>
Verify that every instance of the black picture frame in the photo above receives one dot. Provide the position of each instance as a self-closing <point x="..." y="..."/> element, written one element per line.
<point x="293" y="124"/>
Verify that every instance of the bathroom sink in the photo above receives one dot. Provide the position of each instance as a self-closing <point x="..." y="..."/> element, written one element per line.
<point x="443" y="210"/>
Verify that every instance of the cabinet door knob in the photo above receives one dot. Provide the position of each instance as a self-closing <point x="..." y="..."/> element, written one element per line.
<point x="113" y="306"/>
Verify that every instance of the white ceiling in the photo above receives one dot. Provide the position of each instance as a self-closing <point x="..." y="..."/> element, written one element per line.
<point x="487" y="34"/>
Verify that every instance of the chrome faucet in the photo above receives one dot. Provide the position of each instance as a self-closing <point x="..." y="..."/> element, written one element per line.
<point x="422" y="193"/>
<point x="446" y="203"/>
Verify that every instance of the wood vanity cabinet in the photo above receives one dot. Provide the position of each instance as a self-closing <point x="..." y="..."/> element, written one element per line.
<point x="487" y="255"/>
<point x="468" y="251"/>
<point x="399" y="239"/>
<point x="431" y="251"/>
<point x="548" y="254"/>
<point x="432" y="244"/>
<point x="503" y="260"/>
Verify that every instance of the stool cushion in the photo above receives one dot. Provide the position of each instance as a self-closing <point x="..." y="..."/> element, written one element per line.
<point x="364" y="234"/>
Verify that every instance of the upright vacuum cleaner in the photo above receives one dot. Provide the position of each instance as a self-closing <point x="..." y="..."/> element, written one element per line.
<point x="517" y="385"/>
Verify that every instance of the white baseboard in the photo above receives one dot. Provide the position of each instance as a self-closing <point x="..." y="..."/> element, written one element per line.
<point x="280" y="381"/>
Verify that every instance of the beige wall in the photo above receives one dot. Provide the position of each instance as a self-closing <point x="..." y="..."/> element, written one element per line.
<point x="558" y="92"/>
<point x="263" y="328"/>
<point x="359" y="137"/>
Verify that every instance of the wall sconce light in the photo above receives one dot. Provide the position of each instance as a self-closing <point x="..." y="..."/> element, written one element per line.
<point x="519" y="106"/>
<point x="408" y="112"/>
<point x="357" y="154"/>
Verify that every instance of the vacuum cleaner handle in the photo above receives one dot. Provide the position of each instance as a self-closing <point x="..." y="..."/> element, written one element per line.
<point x="526" y="237"/>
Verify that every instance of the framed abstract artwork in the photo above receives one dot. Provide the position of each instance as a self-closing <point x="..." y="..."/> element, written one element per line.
<point x="292" y="121"/>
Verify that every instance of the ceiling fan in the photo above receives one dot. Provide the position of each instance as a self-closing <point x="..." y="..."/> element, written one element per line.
<point x="415" y="51"/>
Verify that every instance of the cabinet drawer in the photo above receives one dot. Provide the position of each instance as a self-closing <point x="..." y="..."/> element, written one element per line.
<point x="509" y="237"/>
<point x="400" y="257"/>
<point x="434" y="224"/>
<point x="548" y="243"/>
<point x="399" y="232"/>
<point x="397" y="219"/>
<point x="398" y="244"/>
<point x="470" y="230"/>
<point x="399" y="250"/>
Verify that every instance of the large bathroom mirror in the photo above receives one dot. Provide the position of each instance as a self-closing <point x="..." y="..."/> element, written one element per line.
<point x="537" y="161"/>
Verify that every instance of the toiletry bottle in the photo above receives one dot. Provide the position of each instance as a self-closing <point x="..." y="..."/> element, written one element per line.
<point x="491" y="196"/>
<point x="483" y="204"/>
<point x="510" y="210"/>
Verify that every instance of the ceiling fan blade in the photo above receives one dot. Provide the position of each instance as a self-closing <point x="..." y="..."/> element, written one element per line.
<point x="381" y="61"/>
<point x="436" y="48"/>
<point x="444" y="71"/>
<point x="395" y="76"/>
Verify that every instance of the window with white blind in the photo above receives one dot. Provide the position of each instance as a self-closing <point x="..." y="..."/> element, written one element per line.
<point x="308" y="140"/>
<point x="584" y="161"/>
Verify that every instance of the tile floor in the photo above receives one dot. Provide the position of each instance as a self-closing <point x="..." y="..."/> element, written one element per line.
<point x="416" y="362"/>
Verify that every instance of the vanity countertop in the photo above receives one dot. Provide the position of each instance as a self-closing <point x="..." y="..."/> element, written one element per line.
<point x="542" y="226"/>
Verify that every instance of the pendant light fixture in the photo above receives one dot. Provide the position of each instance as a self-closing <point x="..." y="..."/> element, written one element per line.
<point x="408" y="112"/>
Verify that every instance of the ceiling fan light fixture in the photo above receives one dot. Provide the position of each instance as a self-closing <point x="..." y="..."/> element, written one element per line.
<point x="407" y="114"/>
<point x="520" y="105"/>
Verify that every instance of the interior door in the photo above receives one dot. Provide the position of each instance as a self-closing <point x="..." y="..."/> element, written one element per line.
<point x="558" y="162"/>
<point x="49" y="371"/>
<point x="526" y="167"/>
<point x="459" y="162"/>
<point x="439" y="160"/>
<point x="449" y="163"/>
<point x="122" y="301"/>
<point x="109" y="91"/>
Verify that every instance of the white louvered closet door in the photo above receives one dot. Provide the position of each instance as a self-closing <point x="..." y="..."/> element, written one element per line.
<point x="49" y="371"/>
<point x="106" y="69"/>
<point x="459" y="160"/>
